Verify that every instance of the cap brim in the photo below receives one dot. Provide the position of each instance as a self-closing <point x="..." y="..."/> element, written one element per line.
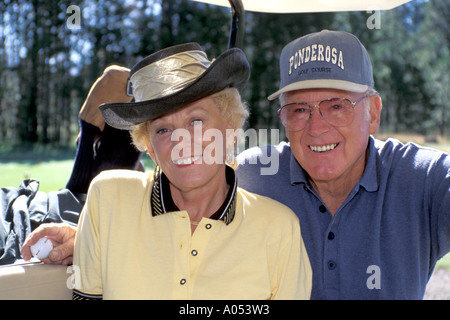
<point x="321" y="84"/>
<point x="230" y="69"/>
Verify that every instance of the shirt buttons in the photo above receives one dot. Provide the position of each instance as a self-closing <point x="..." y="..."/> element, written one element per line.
<point x="183" y="281"/>
<point x="323" y="209"/>
<point x="208" y="226"/>
<point x="194" y="252"/>
<point x="331" y="265"/>
<point x="331" y="236"/>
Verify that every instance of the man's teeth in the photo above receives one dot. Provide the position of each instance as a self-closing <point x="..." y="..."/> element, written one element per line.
<point x="186" y="160"/>
<point x="323" y="148"/>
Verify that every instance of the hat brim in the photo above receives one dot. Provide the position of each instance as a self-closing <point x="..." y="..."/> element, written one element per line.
<point x="321" y="84"/>
<point x="230" y="69"/>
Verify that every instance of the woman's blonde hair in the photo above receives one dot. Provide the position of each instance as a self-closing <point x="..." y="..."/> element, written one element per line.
<point x="229" y="103"/>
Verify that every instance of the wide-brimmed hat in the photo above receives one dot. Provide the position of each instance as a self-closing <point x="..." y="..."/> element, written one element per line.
<point x="326" y="59"/>
<point x="171" y="78"/>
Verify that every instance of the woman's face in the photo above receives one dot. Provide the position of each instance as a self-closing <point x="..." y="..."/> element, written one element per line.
<point x="190" y="145"/>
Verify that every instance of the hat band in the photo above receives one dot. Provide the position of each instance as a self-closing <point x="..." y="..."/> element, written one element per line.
<point x="169" y="75"/>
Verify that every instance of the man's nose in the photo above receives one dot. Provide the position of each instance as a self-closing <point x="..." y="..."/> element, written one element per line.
<point x="316" y="123"/>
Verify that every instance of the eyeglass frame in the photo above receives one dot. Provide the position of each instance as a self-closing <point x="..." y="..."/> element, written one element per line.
<point x="353" y="103"/>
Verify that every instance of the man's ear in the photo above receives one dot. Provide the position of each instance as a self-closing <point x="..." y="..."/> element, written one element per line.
<point x="376" y="105"/>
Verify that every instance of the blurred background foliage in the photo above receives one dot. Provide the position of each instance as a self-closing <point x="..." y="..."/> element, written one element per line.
<point x="47" y="68"/>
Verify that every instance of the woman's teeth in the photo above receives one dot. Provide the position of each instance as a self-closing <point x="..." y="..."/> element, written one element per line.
<point x="323" y="148"/>
<point x="186" y="160"/>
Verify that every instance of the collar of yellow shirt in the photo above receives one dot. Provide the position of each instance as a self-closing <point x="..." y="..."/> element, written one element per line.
<point x="162" y="202"/>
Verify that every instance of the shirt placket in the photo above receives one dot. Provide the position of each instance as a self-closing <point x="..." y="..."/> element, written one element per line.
<point x="192" y="251"/>
<point x="198" y="247"/>
<point x="181" y="275"/>
<point x="330" y="261"/>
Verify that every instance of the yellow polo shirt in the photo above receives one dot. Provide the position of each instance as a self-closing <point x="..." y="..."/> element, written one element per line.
<point x="124" y="251"/>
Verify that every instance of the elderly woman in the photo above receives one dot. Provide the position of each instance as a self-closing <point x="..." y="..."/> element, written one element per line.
<point x="187" y="231"/>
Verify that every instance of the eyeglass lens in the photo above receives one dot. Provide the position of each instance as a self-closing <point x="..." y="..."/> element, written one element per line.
<point x="337" y="112"/>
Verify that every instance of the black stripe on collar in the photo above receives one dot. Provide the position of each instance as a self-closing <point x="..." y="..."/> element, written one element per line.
<point x="161" y="199"/>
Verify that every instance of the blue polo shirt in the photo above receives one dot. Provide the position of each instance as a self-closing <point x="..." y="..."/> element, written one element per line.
<point x="385" y="239"/>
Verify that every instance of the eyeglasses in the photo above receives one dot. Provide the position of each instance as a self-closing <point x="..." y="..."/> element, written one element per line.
<point x="337" y="112"/>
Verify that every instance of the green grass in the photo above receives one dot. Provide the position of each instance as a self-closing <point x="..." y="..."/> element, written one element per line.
<point x="52" y="175"/>
<point x="48" y="164"/>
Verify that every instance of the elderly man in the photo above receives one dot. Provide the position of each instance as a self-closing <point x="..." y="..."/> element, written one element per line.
<point x="375" y="215"/>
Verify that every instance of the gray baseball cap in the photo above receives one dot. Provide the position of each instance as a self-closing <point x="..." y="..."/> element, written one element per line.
<point x="325" y="59"/>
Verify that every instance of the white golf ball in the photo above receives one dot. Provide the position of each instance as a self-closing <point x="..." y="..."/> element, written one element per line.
<point x="41" y="249"/>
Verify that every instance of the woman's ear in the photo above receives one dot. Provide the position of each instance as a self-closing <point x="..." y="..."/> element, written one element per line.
<point x="231" y="138"/>
<point x="151" y="151"/>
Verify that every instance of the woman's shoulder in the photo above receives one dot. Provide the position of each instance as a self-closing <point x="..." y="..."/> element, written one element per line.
<point x="121" y="179"/>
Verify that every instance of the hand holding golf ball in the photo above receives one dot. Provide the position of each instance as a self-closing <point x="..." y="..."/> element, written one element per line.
<point x="41" y="249"/>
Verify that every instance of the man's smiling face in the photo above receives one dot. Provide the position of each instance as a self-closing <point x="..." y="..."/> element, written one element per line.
<point x="330" y="153"/>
